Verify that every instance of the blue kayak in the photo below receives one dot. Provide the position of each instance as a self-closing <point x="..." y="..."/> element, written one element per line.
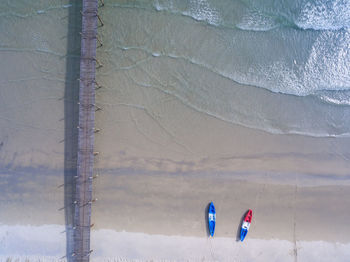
<point x="211" y="219"/>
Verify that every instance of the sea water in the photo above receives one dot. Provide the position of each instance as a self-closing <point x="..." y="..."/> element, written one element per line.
<point x="277" y="66"/>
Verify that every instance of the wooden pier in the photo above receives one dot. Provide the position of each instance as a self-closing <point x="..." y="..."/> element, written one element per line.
<point x="83" y="196"/>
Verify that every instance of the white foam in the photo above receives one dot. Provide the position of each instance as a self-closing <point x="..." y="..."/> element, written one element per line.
<point x="328" y="65"/>
<point x="324" y="15"/>
<point x="155" y="54"/>
<point x="200" y="10"/>
<point x="325" y="68"/>
<point x="256" y="21"/>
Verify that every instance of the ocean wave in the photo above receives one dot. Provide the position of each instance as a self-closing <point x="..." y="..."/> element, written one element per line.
<point x="254" y="15"/>
<point x="309" y="67"/>
<point x="257" y="15"/>
<point x="200" y="10"/>
<point x="254" y="20"/>
<point x="323" y="15"/>
<point x="324" y="66"/>
<point x="319" y="71"/>
<point x="341" y="98"/>
<point x="311" y="14"/>
<point x="244" y="105"/>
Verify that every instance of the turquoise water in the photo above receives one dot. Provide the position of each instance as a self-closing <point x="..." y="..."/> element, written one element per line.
<point x="281" y="67"/>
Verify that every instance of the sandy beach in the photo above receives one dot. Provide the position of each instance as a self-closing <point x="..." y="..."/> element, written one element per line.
<point x="144" y="247"/>
<point x="169" y="142"/>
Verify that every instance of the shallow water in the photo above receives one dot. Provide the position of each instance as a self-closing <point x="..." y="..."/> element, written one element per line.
<point x="209" y="55"/>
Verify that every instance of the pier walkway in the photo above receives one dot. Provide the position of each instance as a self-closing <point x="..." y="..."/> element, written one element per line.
<point x="83" y="197"/>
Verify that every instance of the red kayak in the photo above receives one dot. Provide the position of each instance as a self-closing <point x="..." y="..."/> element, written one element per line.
<point x="246" y="224"/>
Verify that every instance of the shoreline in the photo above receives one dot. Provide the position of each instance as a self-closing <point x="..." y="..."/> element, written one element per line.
<point x="178" y="200"/>
<point x="144" y="247"/>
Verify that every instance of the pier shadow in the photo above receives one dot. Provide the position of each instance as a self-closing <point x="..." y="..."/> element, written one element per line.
<point x="206" y="218"/>
<point x="238" y="235"/>
<point x="71" y="119"/>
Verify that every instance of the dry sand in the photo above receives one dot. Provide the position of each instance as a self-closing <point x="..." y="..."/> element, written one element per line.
<point x="124" y="246"/>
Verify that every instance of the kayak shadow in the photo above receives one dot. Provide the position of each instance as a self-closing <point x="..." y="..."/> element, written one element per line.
<point x="206" y="218"/>
<point x="238" y="235"/>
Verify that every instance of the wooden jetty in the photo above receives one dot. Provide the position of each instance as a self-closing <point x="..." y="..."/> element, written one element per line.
<point x="83" y="197"/>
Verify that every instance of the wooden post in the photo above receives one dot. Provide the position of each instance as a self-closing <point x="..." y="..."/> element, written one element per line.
<point x="99" y="18"/>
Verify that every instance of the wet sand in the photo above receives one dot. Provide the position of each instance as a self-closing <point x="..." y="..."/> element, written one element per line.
<point x="177" y="138"/>
<point x="175" y="204"/>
